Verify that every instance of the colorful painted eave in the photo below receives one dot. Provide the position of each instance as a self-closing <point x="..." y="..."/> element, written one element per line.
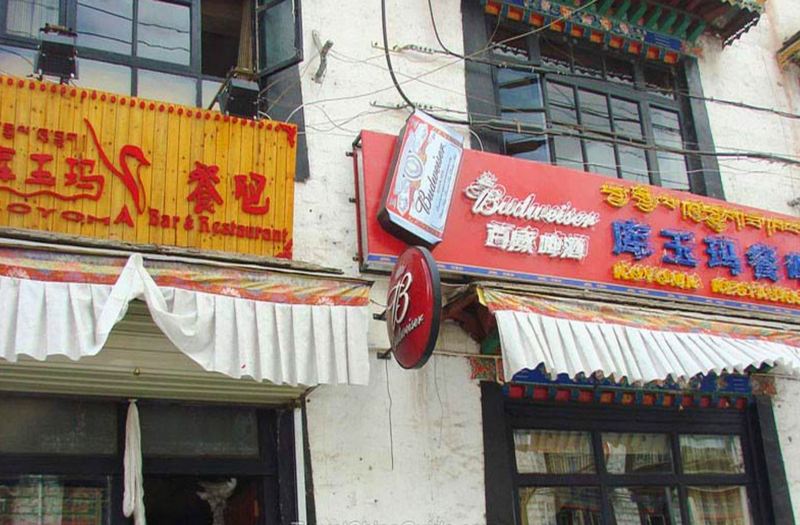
<point x="647" y="28"/>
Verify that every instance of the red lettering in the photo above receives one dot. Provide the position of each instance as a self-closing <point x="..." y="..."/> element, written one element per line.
<point x="124" y="217"/>
<point x="41" y="176"/>
<point x="77" y="176"/>
<point x="58" y="139"/>
<point x="205" y="194"/>
<point x="8" y="131"/>
<point x="20" y="208"/>
<point x="91" y="219"/>
<point x="203" y="224"/>
<point x="6" y="154"/>
<point x="154" y="215"/>
<point x="45" y="212"/>
<point x="188" y="223"/>
<point x="250" y="193"/>
<point x="43" y="135"/>
<point x="165" y="221"/>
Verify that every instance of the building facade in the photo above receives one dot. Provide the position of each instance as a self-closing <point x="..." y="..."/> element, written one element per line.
<point x="693" y="98"/>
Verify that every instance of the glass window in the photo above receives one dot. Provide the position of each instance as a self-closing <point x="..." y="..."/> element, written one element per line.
<point x="25" y="17"/>
<point x="277" y="33"/>
<point x="163" y="32"/>
<point x="557" y="505"/>
<point x="179" y="430"/>
<point x="106" y="25"/>
<point x="171" y="88"/>
<point x="210" y="89"/>
<point x="105" y="76"/>
<point x="51" y="500"/>
<point x="553" y="452"/>
<point x="54" y="426"/>
<point x="605" y="112"/>
<point x="646" y="505"/>
<point x="711" y="454"/>
<point x="16" y="61"/>
<point x="630" y="453"/>
<point x="728" y="505"/>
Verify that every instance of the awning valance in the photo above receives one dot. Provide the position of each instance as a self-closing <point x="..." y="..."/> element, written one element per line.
<point x="283" y="327"/>
<point x="656" y="29"/>
<point x="642" y="345"/>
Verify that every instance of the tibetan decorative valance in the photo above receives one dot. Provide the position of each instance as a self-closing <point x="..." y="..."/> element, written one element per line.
<point x="657" y="30"/>
<point x="283" y="327"/>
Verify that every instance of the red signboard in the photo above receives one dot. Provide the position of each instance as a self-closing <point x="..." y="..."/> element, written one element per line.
<point x="526" y="221"/>
<point x="414" y="307"/>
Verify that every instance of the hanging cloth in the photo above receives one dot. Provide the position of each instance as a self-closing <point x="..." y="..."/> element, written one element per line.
<point x="133" y="496"/>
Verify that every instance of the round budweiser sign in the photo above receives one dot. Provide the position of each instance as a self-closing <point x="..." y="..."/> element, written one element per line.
<point x="414" y="307"/>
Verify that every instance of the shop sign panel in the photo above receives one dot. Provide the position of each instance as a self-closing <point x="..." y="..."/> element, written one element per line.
<point x="526" y="221"/>
<point x="83" y="162"/>
<point x="421" y="178"/>
<point x="414" y="307"/>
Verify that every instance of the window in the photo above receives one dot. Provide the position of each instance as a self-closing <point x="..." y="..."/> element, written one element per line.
<point x="61" y="462"/>
<point x="595" y="111"/>
<point x="592" y="465"/>
<point x="577" y="104"/>
<point x="189" y="44"/>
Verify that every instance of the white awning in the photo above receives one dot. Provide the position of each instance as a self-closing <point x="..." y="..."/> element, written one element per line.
<point x="638" y="344"/>
<point x="284" y="328"/>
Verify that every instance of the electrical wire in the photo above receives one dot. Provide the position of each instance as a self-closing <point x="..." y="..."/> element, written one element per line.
<point x="544" y="70"/>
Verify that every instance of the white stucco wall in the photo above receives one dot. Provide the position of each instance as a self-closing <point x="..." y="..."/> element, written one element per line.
<point x="787" y="419"/>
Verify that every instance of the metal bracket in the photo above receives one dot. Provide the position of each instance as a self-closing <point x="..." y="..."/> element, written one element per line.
<point x="323" y="56"/>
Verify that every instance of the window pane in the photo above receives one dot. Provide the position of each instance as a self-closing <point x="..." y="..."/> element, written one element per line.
<point x="627" y="121"/>
<point x="600" y="158"/>
<point x="728" y="505"/>
<point x="633" y="164"/>
<point x="16" y="61"/>
<point x="672" y="168"/>
<point x="171" y="88"/>
<point x="105" y="76"/>
<point x="636" y="453"/>
<point x="553" y="452"/>
<point x="660" y="81"/>
<point x="521" y="93"/>
<point x="561" y="99"/>
<point x="666" y="128"/>
<point x="646" y="505"/>
<point x="276" y="42"/>
<point x="708" y="454"/>
<point x="594" y="111"/>
<point x="210" y="89"/>
<point x="176" y="500"/>
<point x="555" y="56"/>
<point x="106" y="25"/>
<point x="177" y="430"/>
<point x="618" y="70"/>
<point x="568" y="152"/>
<point x="536" y="149"/>
<point x="51" y="500"/>
<point x="26" y="17"/>
<point x="163" y="32"/>
<point x="587" y="62"/>
<point x="560" y="505"/>
<point x="57" y="426"/>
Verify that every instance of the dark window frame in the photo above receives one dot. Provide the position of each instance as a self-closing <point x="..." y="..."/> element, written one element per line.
<point x="68" y="17"/>
<point x="483" y="98"/>
<point x="275" y="464"/>
<point x="764" y="478"/>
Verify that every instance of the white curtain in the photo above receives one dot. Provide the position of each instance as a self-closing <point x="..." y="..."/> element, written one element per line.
<point x="294" y="344"/>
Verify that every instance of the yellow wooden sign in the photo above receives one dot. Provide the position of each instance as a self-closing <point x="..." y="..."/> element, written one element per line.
<point x="84" y="162"/>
